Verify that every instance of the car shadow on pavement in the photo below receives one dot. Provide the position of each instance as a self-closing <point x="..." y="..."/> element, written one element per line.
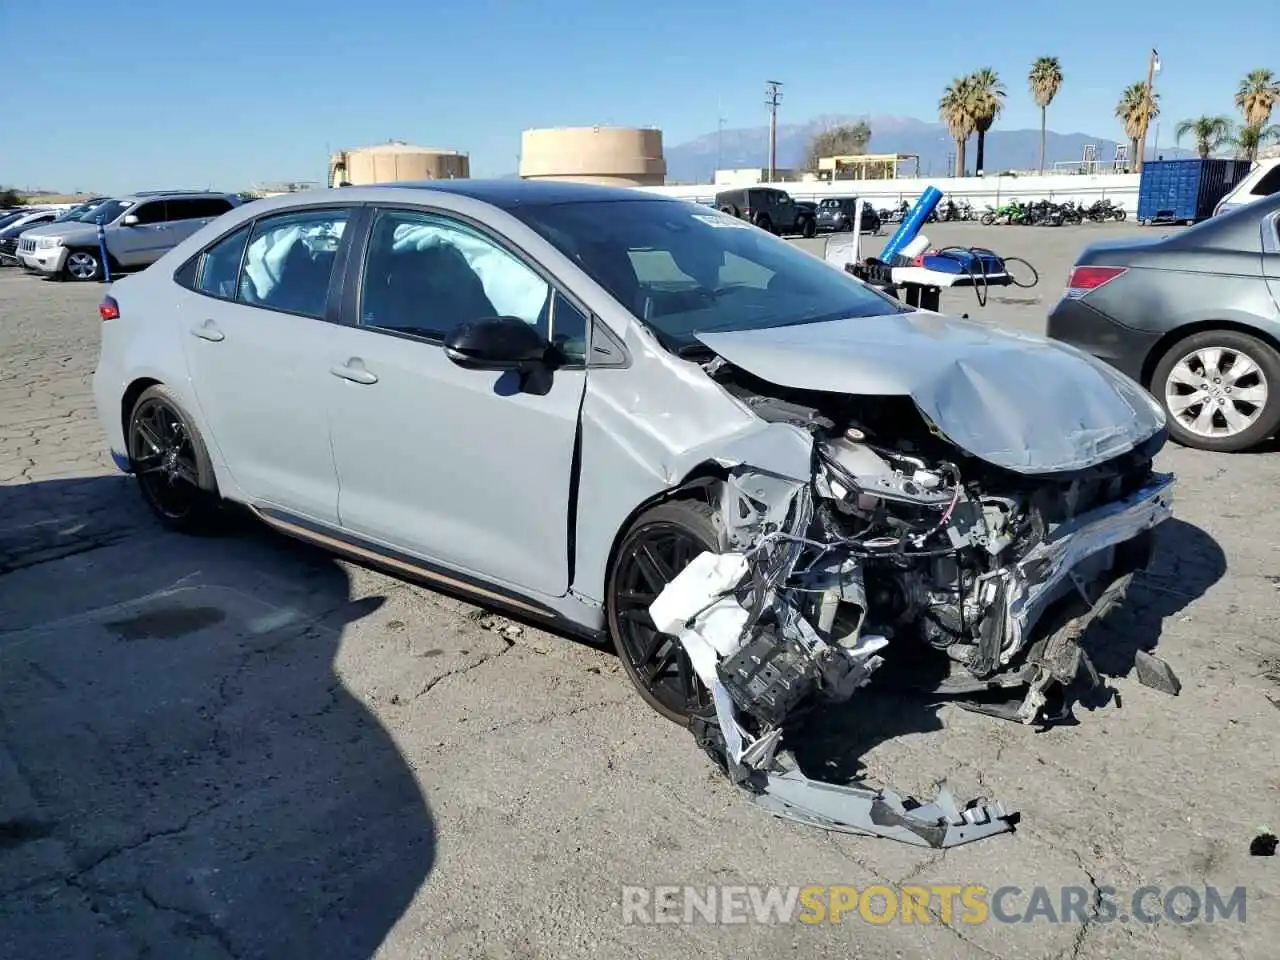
<point x="1186" y="562"/>
<point x="182" y="772"/>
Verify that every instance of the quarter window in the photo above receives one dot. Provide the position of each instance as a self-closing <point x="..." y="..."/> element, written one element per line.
<point x="1268" y="183"/>
<point x="425" y="274"/>
<point x="289" y="261"/>
<point x="220" y="266"/>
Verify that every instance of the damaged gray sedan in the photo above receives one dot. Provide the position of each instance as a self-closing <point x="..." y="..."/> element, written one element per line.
<point x="620" y="413"/>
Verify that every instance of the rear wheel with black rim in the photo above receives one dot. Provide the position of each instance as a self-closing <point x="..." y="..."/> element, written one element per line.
<point x="808" y="228"/>
<point x="659" y="544"/>
<point x="168" y="457"/>
<point x="763" y="222"/>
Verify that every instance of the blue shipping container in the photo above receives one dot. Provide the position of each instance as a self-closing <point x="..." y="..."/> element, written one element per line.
<point x="1185" y="190"/>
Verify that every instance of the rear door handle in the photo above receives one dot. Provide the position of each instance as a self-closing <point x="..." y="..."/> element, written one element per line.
<point x="208" y="331"/>
<point x="354" y="371"/>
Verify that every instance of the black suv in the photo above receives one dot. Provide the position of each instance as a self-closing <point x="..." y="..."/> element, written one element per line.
<point x="837" y="213"/>
<point x="769" y="209"/>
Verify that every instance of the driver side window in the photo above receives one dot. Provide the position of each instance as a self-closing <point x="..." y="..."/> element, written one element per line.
<point x="149" y="212"/>
<point x="425" y="274"/>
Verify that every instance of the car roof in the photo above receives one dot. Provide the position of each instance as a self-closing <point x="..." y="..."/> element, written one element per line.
<point x="514" y="193"/>
<point x="171" y="194"/>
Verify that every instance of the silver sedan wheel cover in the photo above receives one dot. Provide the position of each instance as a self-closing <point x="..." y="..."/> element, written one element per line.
<point x="81" y="266"/>
<point x="1216" y="392"/>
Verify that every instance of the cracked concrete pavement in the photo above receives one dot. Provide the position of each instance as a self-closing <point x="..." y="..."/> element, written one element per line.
<point x="241" y="747"/>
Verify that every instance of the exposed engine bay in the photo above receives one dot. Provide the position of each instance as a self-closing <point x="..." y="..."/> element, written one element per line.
<point x="900" y="543"/>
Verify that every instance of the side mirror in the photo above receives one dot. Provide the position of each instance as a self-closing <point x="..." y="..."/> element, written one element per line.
<point x="498" y="343"/>
<point x="130" y="220"/>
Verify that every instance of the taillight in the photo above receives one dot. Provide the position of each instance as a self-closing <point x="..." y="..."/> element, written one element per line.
<point x="746" y="213"/>
<point x="1085" y="280"/>
<point x="108" y="309"/>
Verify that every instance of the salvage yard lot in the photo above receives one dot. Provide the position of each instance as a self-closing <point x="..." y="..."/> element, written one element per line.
<point x="241" y="747"/>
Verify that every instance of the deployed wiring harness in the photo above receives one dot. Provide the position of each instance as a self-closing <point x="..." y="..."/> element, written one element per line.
<point x="975" y="262"/>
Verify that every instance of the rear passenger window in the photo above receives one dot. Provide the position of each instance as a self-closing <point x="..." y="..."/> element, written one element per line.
<point x="220" y="266"/>
<point x="196" y="208"/>
<point x="290" y="259"/>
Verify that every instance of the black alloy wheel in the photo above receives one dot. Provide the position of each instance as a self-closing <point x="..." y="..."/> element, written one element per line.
<point x="169" y="459"/>
<point x="661" y="543"/>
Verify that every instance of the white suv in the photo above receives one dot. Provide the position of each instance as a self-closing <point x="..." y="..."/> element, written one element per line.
<point x="1262" y="181"/>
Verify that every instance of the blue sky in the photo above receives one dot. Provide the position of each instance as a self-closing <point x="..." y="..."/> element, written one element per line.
<point x="229" y="93"/>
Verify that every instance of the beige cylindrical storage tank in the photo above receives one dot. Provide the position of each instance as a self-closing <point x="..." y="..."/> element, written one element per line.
<point x="397" y="161"/>
<point x="625" y="156"/>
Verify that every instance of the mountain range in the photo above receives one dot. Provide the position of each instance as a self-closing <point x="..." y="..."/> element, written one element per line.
<point x="696" y="160"/>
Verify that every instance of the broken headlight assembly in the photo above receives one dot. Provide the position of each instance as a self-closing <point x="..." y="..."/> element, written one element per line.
<point x="886" y="551"/>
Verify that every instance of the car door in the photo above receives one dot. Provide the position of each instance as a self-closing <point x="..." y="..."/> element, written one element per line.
<point x="456" y="466"/>
<point x="186" y="215"/>
<point x="139" y="242"/>
<point x="1271" y="253"/>
<point x="259" y="338"/>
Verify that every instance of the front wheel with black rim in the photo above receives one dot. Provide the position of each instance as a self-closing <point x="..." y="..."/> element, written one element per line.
<point x="659" y="544"/>
<point x="82" y="265"/>
<point x="808" y="228"/>
<point x="1220" y="390"/>
<point x="171" y="463"/>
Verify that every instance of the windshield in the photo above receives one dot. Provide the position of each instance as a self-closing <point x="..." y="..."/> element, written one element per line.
<point x="108" y="211"/>
<point x="684" y="269"/>
<point x="76" y="212"/>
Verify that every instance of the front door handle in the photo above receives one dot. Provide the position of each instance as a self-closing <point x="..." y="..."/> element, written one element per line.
<point x="354" y="371"/>
<point x="208" y="331"/>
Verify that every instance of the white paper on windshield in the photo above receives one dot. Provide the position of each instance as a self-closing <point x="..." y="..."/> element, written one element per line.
<point x="726" y="223"/>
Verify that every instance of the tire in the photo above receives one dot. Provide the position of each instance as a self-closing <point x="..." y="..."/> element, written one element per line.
<point x="988" y="219"/>
<point x="729" y="211"/>
<point x="1259" y="408"/>
<point x="174" y="475"/>
<point x="847" y="226"/>
<point x="82" y="265"/>
<point x="808" y="228"/>
<point x="678" y="694"/>
<point x="763" y="222"/>
<point x="1120" y="216"/>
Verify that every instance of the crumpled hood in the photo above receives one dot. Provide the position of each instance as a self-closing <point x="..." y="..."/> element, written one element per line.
<point x="1016" y="400"/>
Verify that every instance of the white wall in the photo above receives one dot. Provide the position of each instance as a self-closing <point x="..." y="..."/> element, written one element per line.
<point x="981" y="192"/>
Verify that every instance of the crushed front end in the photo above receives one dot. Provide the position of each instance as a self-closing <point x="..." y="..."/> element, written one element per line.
<point x="905" y="547"/>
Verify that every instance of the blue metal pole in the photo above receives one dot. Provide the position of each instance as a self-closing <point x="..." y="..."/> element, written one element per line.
<point x="911" y="223"/>
<point x="102" y="253"/>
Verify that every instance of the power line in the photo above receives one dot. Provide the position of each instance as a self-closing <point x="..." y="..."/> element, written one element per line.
<point x="773" y="97"/>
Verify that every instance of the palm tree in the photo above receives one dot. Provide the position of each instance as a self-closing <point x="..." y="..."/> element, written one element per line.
<point x="956" y="110"/>
<point x="1249" y="139"/>
<point x="1258" y="93"/>
<point x="988" y="100"/>
<point x="1130" y="111"/>
<point x="1210" y="133"/>
<point x="1046" y="80"/>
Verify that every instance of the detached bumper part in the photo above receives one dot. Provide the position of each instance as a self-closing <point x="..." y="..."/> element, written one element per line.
<point x="939" y="824"/>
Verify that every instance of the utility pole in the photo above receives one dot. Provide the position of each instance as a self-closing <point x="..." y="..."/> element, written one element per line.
<point x="1153" y="64"/>
<point x="773" y="97"/>
<point x="719" y="133"/>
